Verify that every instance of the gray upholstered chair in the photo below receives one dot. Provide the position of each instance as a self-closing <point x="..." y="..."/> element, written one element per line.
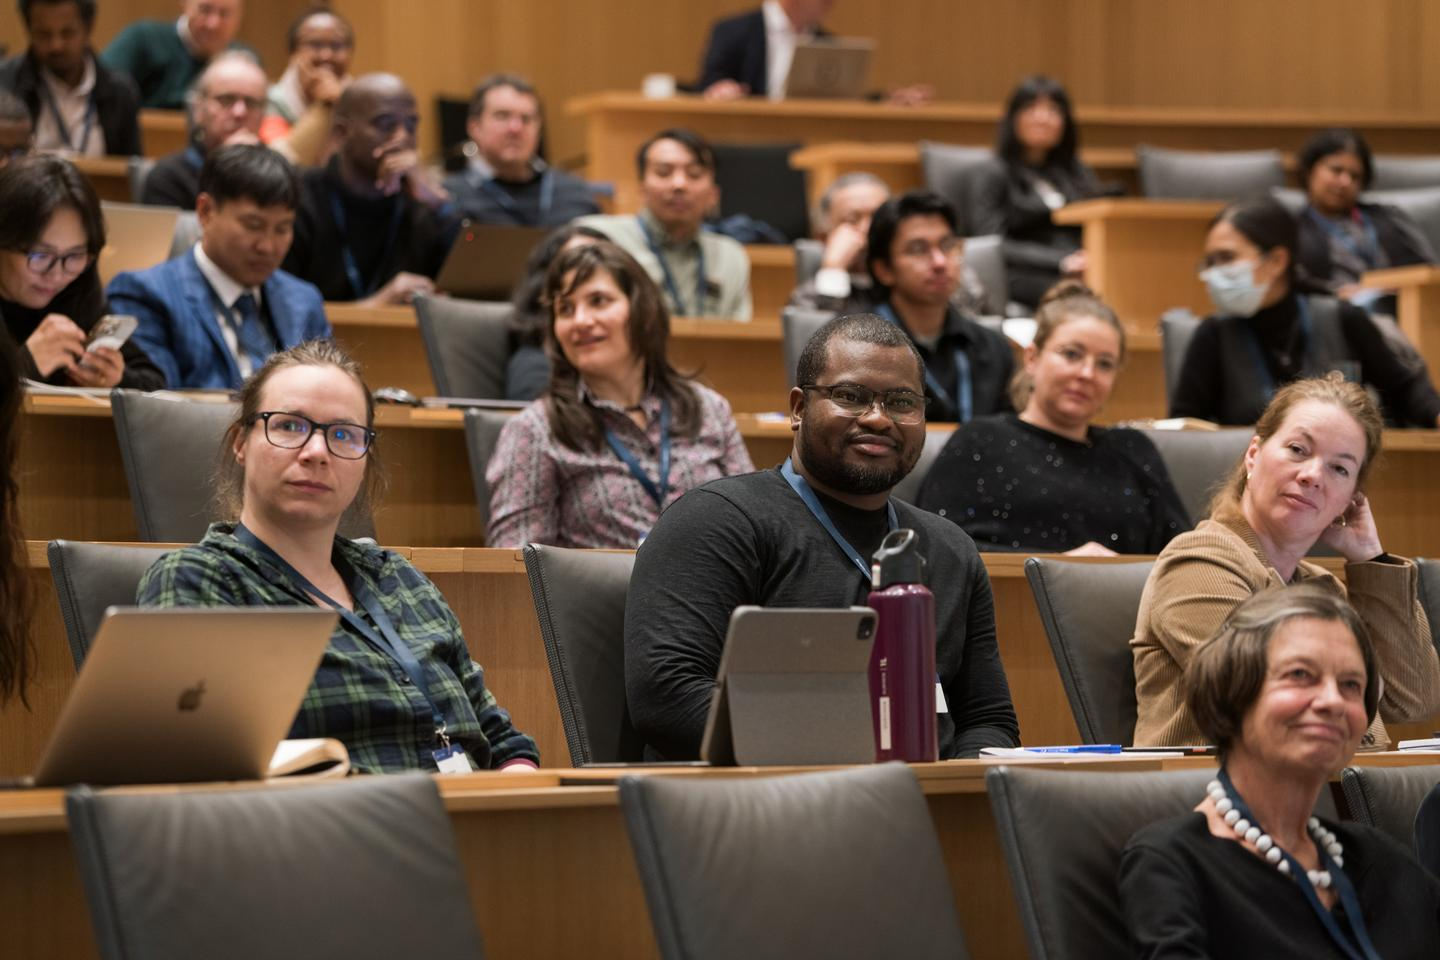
<point x="797" y="326"/>
<point x="1430" y="594"/>
<point x="757" y="180"/>
<point x="1207" y="174"/>
<point x="1387" y="798"/>
<point x="808" y="254"/>
<point x="1427" y="832"/>
<point x="1422" y="204"/>
<point x="170" y="448"/>
<point x="580" y="602"/>
<point x="1088" y="611"/>
<point x="1290" y="198"/>
<point x="1198" y="461"/>
<point x="909" y="488"/>
<point x="1177" y="329"/>
<point x="187" y="233"/>
<point x="1400" y="172"/>
<point x="137" y="172"/>
<point x="839" y="865"/>
<point x="468" y="345"/>
<point x="89" y="579"/>
<point x="985" y="257"/>
<point x="482" y="433"/>
<point x="365" y="867"/>
<point x="949" y="170"/>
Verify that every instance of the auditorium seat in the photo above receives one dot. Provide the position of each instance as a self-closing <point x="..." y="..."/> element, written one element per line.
<point x="1207" y="174"/>
<point x="1388" y="798"/>
<point x="797" y="326"/>
<point x="580" y="603"/>
<point x="949" y="170"/>
<point x="908" y="489"/>
<point x="1177" y="329"/>
<point x="467" y="343"/>
<point x="365" y="867"/>
<point x="1199" y="461"/>
<point x="1089" y="611"/>
<point x="1401" y="172"/>
<point x="482" y="433"/>
<point x="841" y="865"/>
<point x="1430" y="594"/>
<point x="89" y="579"/>
<point x="757" y="181"/>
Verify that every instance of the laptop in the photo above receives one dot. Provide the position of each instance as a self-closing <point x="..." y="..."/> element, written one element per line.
<point x="486" y="261"/>
<point x="830" y="68"/>
<point x="793" y="688"/>
<point x="136" y="237"/>
<point x="185" y="695"/>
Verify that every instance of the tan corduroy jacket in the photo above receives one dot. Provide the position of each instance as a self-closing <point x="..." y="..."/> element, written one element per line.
<point x="1202" y="575"/>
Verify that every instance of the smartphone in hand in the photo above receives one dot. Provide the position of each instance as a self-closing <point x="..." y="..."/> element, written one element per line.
<point x="111" y="331"/>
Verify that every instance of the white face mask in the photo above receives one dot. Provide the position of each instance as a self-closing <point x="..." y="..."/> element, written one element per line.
<point x="1233" y="289"/>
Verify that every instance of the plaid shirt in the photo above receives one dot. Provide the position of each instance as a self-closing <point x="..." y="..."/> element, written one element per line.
<point x="360" y="695"/>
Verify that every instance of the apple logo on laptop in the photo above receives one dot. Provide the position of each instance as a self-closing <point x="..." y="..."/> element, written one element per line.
<point x="190" y="697"/>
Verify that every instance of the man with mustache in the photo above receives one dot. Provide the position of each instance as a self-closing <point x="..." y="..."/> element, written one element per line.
<point x="802" y="536"/>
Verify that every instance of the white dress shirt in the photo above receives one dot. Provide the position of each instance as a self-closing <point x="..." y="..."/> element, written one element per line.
<point x="228" y="291"/>
<point x="781" y="38"/>
<point x="73" y="105"/>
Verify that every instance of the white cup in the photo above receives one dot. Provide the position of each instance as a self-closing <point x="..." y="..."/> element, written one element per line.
<point x="658" y="86"/>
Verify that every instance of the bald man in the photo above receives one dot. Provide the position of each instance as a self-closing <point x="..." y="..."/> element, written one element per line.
<point x="226" y="107"/>
<point x="165" y="56"/>
<point x="373" y="227"/>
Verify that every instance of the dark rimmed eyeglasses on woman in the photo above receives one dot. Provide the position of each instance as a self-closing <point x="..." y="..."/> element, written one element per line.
<point x="348" y="441"/>
<point x="42" y="262"/>
<point x="853" y="400"/>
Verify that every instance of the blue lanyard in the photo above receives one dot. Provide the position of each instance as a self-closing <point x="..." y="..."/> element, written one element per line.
<point x="964" y="398"/>
<point x="387" y="641"/>
<point x="817" y="510"/>
<point x="358" y="286"/>
<point x="1257" y="351"/>
<point x="1361" y="948"/>
<point x="670" y="286"/>
<point x="194" y="157"/>
<point x="657" y="491"/>
<point x="60" y="121"/>
<point x="501" y="196"/>
<point x="1347" y="239"/>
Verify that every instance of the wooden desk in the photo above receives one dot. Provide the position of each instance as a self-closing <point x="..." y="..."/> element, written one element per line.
<point x="772" y="277"/>
<point x="110" y="176"/>
<point x="163" y="131"/>
<point x="1417" y="295"/>
<point x="618" y="122"/>
<point x="1143" y="253"/>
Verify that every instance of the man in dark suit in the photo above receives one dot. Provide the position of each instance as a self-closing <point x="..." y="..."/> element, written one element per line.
<point x="75" y="103"/>
<point x="750" y="54"/>
<point x="505" y="182"/>
<point x="209" y="318"/>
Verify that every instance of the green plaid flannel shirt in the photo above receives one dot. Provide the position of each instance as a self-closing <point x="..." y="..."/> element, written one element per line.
<point x="360" y="695"/>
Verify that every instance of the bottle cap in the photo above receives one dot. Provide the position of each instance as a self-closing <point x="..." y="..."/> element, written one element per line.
<point x="898" y="560"/>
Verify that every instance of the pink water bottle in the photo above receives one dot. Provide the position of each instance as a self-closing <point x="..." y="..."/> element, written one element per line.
<point x="902" y="664"/>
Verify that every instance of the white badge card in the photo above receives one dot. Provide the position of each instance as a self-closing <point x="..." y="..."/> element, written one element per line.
<point x="940" y="705"/>
<point x="453" y="759"/>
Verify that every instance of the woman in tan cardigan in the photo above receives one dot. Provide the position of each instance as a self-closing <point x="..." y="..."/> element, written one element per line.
<point x="1300" y="482"/>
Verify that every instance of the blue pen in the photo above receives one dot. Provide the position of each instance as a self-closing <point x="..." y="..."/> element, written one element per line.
<point x="1079" y="748"/>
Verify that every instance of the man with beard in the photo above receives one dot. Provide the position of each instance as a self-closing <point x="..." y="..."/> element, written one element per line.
<point x="802" y="536"/>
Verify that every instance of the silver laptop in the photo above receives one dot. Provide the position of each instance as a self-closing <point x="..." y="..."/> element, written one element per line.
<point x="793" y="688"/>
<point x="184" y="695"/>
<point x="136" y="237"/>
<point x="486" y="261"/>
<point x="830" y="68"/>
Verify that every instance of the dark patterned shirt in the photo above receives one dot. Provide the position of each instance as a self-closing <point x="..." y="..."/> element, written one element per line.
<point x="360" y="695"/>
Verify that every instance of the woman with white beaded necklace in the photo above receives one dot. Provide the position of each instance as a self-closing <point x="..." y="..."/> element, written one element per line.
<point x="1285" y="690"/>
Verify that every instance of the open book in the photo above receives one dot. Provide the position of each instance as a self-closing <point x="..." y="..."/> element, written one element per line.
<point x="317" y="757"/>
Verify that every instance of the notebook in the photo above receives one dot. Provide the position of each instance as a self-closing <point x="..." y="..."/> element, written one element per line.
<point x="486" y="261"/>
<point x="185" y="695"/>
<point x="793" y="688"/>
<point x="136" y="237"/>
<point x="830" y="68"/>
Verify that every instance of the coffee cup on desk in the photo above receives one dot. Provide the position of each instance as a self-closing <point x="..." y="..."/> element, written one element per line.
<point x="658" y="86"/>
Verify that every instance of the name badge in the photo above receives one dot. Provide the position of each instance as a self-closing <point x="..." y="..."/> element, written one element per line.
<point x="453" y="759"/>
<point x="940" y="705"/>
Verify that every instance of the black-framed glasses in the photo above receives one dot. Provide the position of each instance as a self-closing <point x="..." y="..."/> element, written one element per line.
<point x="42" y="262"/>
<point x="853" y="400"/>
<point x="348" y="441"/>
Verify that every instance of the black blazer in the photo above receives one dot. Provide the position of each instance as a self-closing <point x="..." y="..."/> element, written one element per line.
<point x="117" y="101"/>
<point x="1398" y="235"/>
<point x="737" y="50"/>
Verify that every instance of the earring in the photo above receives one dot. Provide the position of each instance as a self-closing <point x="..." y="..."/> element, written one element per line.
<point x="1247" y="474"/>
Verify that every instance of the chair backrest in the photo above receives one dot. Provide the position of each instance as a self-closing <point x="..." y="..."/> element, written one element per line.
<point x="1427" y="832"/>
<point x="1421" y="204"/>
<point x="580" y="602"/>
<point x="1063" y="833"/>
<point x="187" y="233"/>
<point x="808" y="253"/>
<point x="1401" y="172"/>
<point x="1430" y="594"/>
<point x="137" y="171"/>
<point x="482" y="433"/>
<point x="949" y="170"/>
<point x="1177" y="329"/>
<point x="89" y="579"/>
<point x="1207" y="174"/>
<point x="1088" y="611"/>
<point x="909" y="488"/>
<point x="986" y="257"/>
<point x="1290" y="198"/>
<point x="276" y="873"/>
<point x="1199" y="461"/>
<point x="1388" y="798"/>
<point x="756" y="180"/>
<point x="170" y="448"/>
<point x="779" y="866"/>
<point x="797" y="326"/>
<point x="467" y="343"/>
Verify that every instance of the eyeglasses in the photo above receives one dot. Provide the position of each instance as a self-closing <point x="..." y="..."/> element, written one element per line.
<point x="348" y="441"/>
<point x="43" y="261"/>
<point x="228" y="101"/>
<point x="902" y="406"/>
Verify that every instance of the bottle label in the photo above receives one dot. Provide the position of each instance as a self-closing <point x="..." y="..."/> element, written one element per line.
<point x="884" y="723"/>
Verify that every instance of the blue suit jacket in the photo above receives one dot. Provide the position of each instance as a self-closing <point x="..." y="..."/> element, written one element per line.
<point x="178" y="329"/>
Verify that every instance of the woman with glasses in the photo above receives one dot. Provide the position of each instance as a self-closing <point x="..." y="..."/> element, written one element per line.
<point x="397" y="684"/>
<point x="1271" y="327"/>
<point x="51" y="231"/>
<point x="1047" y="479"/>
<point x="619" y="434"/>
